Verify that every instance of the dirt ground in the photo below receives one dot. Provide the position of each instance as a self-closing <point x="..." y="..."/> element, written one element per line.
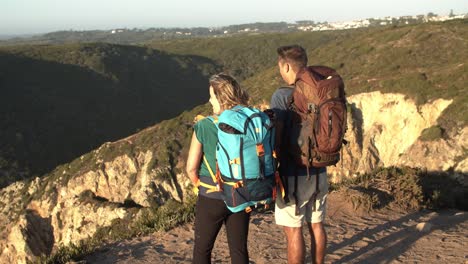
<point x="384" y="236"/>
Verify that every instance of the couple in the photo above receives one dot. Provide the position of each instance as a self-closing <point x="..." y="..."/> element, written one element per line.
<point x="211" y="211"/>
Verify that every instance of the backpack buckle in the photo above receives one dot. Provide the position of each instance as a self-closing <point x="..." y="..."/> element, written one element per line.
<point x="234" y="161"/>
<point x="311" y="108"/>
<point x="260" y="150"/>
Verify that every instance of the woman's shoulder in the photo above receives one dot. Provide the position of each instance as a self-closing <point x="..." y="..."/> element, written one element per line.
<point x="207" y="119"/>
<point x="206" y="122"/>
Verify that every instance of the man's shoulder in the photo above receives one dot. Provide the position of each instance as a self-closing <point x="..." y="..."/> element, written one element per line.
<point x="279" y="100"/>
<point x="284" y="90"/>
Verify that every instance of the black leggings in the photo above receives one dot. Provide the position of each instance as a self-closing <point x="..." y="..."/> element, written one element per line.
<point x="210" y="216"/>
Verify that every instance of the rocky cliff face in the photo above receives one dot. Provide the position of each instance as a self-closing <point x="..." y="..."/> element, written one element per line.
<point x="385" y="129"/>
<point x="67" y="207"/>
<point x="68" y="212"/>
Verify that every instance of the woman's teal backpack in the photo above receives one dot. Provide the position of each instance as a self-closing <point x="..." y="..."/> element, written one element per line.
<point x="245" y="158"/>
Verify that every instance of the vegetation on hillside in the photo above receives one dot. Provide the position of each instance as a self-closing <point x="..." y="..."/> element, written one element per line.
<point x="247" y="56"/>
<point x="405" y="189"/>
<point x="59" y="102"/>
<point x="425" y="61"/>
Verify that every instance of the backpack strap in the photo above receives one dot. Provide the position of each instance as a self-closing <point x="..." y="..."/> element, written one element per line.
<point x="313" y="198"/>
<point x="285" y="180"/>
<point x="296" y="201"/>
<point x="216" y="179"/>
<point x="261" y="159"/>
<point x="212" y="118"/>
<point x="279" y="184"/>
<point x="210" y="188"/>
<point x="198" y="118"/>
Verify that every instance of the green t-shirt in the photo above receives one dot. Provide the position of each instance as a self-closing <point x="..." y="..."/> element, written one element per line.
<point x="207" y="135"/>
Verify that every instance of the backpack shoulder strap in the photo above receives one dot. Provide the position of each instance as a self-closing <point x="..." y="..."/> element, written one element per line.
<point x="209" y="169"/>
<point x="212" y="118"/>
<point x="309" y="76"/>
<point x="198" y="118"/>
<point x="324" y="71"/>
<point x="210" y="188"/>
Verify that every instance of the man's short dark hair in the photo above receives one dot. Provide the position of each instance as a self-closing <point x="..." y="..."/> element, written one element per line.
<point x="294" y="55"/>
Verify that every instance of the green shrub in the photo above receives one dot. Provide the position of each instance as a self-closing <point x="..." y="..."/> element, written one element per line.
<point x="432" y="133"/>
<point x="406" y="188"/>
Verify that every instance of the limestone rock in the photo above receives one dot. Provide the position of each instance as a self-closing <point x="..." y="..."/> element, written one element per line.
<point x="424" y="227"/>
<point x="384" y="130"/>
<point x="70" y="212"/>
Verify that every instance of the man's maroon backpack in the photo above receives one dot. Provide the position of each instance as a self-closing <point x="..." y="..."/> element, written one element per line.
<point x="319" y="117"/>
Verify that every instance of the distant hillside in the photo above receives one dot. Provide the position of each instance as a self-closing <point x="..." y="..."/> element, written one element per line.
<point x="135" y="35"/>
<point x="138" y="35"/>
<point x="424" y="61"/>
<point x="248" y="56"/>
<point x="58" y="102"/>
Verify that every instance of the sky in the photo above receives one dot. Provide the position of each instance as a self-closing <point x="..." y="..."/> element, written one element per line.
<point x="41" y="16"/>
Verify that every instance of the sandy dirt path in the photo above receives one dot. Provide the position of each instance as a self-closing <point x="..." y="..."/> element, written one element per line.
<point x="384" y="236"/>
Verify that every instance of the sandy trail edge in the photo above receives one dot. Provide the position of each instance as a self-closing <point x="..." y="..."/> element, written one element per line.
<point x="385" y="236"/>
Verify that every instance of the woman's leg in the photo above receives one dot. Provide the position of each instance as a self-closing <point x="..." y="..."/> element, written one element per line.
<point x="237" y="228"/>
<point x="209" y="217"/>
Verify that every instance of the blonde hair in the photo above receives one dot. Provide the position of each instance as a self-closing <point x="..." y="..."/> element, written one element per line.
<point x="228" y="91"/>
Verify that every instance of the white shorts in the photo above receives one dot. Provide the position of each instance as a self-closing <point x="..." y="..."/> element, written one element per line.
<point x="285" y="214"/>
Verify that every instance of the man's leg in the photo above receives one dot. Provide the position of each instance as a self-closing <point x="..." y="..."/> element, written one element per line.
<point x="318" y="242"/>
<point x="315" y="222"/>
<point x="296" y="245"/>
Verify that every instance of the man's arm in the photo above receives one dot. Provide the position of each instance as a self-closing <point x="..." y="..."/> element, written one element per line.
<point x="279" y="104"/>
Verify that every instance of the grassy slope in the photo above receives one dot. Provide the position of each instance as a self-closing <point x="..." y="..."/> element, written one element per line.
<point x="424" y="61"/>
<point x="59" y="102"/>
<point x="246" y="56"/>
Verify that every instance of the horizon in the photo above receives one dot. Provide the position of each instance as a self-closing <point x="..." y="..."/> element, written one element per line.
<point x="28" y="17"/>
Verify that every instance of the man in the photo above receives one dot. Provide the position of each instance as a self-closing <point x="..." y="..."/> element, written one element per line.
<point x="297" y="208"/>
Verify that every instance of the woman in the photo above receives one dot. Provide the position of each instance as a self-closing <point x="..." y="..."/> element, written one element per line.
<point x="211" y="211"/>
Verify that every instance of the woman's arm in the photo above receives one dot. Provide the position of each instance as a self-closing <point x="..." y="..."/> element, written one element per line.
<point x="194" y="158"/>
